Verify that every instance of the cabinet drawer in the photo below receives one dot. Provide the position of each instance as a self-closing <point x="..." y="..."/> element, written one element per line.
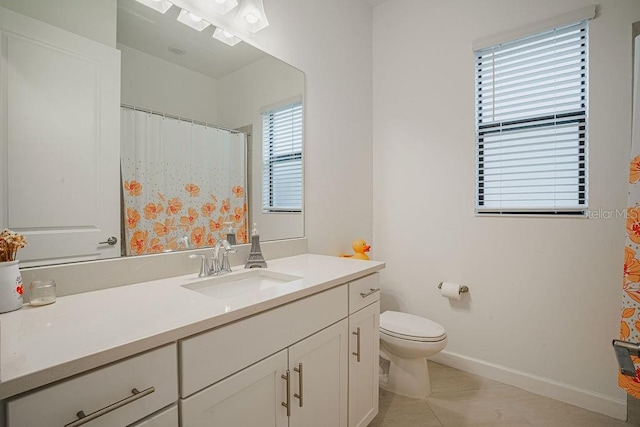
<point x="363" y="292"/>
<point x="214" y="355"/>
<point x="58" y="405"/>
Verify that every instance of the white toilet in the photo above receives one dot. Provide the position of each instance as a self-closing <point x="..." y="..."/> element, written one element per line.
<point x="406" y="341"/>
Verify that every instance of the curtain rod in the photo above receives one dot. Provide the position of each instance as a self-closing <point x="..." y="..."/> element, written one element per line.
<point x="183" y="119"/>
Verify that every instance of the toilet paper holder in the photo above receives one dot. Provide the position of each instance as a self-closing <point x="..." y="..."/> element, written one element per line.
<point x="463" y="288"/>
<point x="624" y="350"/>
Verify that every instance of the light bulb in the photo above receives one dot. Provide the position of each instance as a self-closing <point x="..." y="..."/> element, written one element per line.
<point x="251" y="18"/>
<point x="221" y="1"/>
<point x="192" y="20"/>
<point x="227" y="34"/>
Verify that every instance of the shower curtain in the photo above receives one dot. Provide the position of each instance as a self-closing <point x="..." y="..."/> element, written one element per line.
<point x="183" y="183"/>
<point x="630" y="323"/>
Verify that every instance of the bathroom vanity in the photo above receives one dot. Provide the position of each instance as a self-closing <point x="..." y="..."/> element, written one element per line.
<point x="193" y="352"/>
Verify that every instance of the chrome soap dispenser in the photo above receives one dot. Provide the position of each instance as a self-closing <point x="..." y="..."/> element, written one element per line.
<point x="256" y="260"/>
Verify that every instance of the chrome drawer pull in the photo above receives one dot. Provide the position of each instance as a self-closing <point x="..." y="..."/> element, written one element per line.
<point x="299" y="371"/>
<point x="287" y="404"/>
<point x="371" y="292"/>
<point x="357" y="352"/>
<point x="83" y="419"/>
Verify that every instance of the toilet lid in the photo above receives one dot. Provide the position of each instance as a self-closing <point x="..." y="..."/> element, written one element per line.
<point x="411" y="327"/>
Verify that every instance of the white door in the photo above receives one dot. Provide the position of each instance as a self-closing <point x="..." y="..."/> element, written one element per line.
<point x="318" y="367"/>
<point x="252" y="397"/>
<point x="363" y="365"/>
<point x="60" y="141"/>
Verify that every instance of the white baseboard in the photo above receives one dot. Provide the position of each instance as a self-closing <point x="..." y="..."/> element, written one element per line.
<point x="596" y="402"/>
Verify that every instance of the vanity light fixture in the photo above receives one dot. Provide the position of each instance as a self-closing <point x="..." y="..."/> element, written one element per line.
<point x="226" y="37"/>
<point x="160" y="5"/>
<point x="192" y="20"/>
<point x="251" y="16"/>
<point x="223" y="6"/>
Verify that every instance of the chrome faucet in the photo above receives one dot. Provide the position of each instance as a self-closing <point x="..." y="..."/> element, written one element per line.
<point x="216" y="266"/>
<point x="221" y="266"/>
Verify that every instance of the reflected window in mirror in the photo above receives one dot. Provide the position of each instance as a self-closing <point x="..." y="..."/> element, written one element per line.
<point x="282" y="158"/>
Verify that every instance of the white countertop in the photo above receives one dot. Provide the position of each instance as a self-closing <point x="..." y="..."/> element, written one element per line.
<point x="40" y="345"/>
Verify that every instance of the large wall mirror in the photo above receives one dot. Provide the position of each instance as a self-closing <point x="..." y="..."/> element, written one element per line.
<point x="189" y="122"/>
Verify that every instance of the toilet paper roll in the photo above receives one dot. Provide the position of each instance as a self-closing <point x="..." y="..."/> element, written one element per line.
<point x="451" y="290"/>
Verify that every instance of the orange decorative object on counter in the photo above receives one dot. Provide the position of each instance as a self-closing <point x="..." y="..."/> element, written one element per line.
<point x="359" y="247"/>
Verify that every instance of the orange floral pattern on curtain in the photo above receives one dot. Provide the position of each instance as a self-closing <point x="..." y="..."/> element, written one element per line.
<point x="630" y="315"/>
<point x="183" y="217"/>
<point x="183" y="184"/>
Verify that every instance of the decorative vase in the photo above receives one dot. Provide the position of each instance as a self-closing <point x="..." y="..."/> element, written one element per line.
<point x="10" y="286"/>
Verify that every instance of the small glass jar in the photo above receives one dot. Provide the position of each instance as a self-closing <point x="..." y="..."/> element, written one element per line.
<point x="42" y="292"/>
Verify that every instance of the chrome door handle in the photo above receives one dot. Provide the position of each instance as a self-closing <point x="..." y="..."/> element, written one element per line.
<point x="299" y="371"/>
<point x="371" y="292"/>
<point x="110" y="241"/>
<point x="357" y="352"/>
<point x="83" y="419"/>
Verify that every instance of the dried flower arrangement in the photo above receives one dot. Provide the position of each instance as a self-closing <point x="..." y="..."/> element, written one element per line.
<point x="10" y="242"/>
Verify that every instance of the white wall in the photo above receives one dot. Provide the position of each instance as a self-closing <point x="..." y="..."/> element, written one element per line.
<point x="241" y="97"/>
<point x="330" y="41"/>
<point x="153" y="83"/>
<point x="544" y="301"/>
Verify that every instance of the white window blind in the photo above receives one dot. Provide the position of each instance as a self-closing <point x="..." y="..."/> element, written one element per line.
<point x="531" y="124"/>
<point x="282" y="159"/>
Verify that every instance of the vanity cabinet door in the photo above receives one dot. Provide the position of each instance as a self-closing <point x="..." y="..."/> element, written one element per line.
<point x="252" y="397"/>
<point x="318" y="369"/>
<point x="364" y="365"/>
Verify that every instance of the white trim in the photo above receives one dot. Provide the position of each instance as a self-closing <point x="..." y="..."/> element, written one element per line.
<point x="293" y="100"/>
<point x="587" y="12"/>
<point x="587" y="399"/>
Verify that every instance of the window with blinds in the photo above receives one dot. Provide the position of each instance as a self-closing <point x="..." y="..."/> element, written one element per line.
<point x="282" y="159"/>
<point x="531" y="124"/>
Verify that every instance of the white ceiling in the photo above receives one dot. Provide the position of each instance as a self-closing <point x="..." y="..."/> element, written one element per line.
<point x="152" y="32"/>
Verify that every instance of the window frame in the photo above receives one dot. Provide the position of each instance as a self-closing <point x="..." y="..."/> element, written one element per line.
<point x="271" y="160"/>
<point x="579" y="117"/>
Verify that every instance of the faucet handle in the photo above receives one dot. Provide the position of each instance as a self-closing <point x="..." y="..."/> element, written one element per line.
<point x="226" y="267"/>
<point x="204" y="268"/>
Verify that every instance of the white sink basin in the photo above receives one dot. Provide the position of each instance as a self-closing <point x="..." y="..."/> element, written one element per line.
<point x="233" y="285"/>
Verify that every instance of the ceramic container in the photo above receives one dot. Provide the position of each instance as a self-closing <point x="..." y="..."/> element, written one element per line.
<point x="10" y="286"/>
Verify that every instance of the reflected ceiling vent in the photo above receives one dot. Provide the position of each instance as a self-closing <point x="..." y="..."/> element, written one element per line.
<point x="176" y="50"/>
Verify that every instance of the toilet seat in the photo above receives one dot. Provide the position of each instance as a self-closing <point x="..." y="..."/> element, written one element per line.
<point x="410" y="327"/>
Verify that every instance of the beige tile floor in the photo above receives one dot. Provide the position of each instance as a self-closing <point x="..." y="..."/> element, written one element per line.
<point x="462" y="399"/>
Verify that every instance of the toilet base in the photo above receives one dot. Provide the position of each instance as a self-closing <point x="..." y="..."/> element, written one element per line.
<point x="406" y="377"/>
